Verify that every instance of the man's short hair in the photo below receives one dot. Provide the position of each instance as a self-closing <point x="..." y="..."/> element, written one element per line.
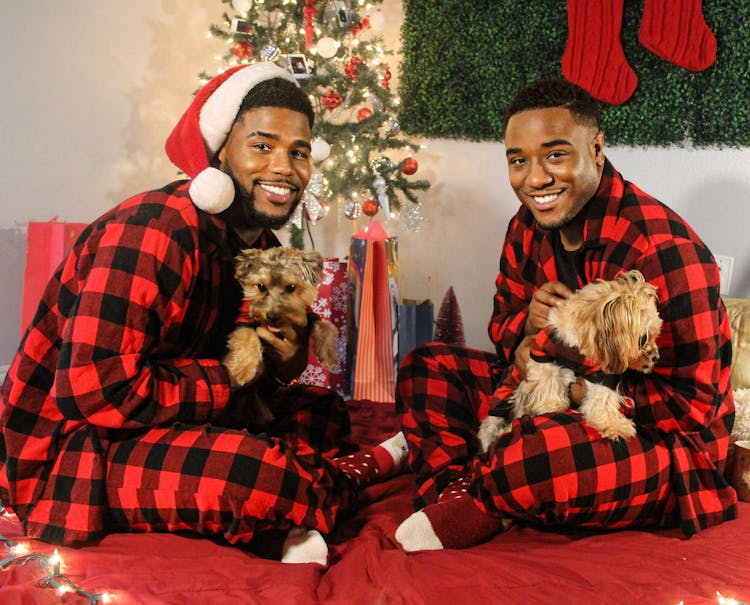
<point x="555" y="92"/>
<point x="278" y="92"/>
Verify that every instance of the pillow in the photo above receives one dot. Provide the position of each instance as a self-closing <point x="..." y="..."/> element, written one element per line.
<point x="739" y="318"/>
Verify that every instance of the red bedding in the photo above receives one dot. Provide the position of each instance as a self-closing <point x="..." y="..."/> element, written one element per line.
<point x="523" y="565"/>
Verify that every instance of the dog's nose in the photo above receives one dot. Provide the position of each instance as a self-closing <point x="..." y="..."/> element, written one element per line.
<point x="273" y="317"/>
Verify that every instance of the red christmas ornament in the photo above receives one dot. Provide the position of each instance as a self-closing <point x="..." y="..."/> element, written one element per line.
<point x="357" y="29"/>
<point x="364" y="113"/>
<point x="410" y="166"/>
<point x="331" y="100"/>
<point x="351" y="67"/>
<point x="242" y="50"/>
<point x="370" y="207"/>
<point x="385" y="78"/>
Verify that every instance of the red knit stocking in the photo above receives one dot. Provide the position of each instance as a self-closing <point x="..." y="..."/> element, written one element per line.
<point x="593" y="56"/>
<point x="676" y="31"/>
<point x="454" y="521"/>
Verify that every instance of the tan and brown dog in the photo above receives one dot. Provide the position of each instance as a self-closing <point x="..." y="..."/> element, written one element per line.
<point x="614" y="323"/>
<point x="278" y="285"/>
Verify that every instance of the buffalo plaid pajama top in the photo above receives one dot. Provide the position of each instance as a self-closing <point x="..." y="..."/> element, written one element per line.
<point x="554" y="469"/>
<point x="107" y="406"/>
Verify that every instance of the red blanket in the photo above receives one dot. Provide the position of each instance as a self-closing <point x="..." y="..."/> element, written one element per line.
<point x="524" y="566"/>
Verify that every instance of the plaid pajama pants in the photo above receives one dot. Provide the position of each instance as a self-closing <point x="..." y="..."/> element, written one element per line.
<point x="211" y="479"/>
<point x="551" y="469"/>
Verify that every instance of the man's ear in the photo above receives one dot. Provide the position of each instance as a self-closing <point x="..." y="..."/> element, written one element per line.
<point x="598" y="148"/>
<point x="221" y="155"/>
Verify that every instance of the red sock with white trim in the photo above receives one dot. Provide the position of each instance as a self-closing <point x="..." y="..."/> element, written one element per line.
<point x="593" y="57"/>
<point x="377" y="464"/>
<point x="454" y="521"/>
<point x="676" y="31"/>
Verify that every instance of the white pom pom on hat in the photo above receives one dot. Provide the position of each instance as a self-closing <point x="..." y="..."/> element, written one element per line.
<point x="205" y="126"/>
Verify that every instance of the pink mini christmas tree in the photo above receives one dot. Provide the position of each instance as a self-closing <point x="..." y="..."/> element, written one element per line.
<point x="449" y="327"/>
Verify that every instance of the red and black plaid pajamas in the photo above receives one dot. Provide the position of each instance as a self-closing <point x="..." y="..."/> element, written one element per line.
<point x="554" y="469"/>
<point x="211" y="479"/>
<point x="107" y="405"/>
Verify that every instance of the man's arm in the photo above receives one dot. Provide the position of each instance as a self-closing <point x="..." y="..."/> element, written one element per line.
<point x="121" y="362"/>
<point x="689" y="384"/>
<point x="524" y="295"/>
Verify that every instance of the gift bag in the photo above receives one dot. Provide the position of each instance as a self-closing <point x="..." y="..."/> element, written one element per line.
<point x="47" y="244"/>
<point x="373" y="326"/>
<point x="416" y="321"/>
<point x="331" y="304"/>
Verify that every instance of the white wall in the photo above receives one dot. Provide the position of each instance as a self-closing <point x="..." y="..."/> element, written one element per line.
<point x="92" y="89"/>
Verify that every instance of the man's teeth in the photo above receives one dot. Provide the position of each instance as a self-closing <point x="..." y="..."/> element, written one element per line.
<point x="277" y="190"/>
<point x="545" y="199"/>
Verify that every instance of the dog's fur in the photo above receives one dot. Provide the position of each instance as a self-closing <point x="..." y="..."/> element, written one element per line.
<point x="614" y="323"/>
<point x="741" y="429"/>
<point x="280" y="284"/>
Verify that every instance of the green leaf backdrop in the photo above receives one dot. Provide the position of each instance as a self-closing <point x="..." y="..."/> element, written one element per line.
<point x="463" y="61"/>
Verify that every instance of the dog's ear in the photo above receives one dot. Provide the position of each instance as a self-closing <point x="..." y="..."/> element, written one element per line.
<point x="246" y="262"/>
<point x="312" y="263"/>
<point x="614" y="336"/>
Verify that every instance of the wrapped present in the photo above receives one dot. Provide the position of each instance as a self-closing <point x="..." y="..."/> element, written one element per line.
<point x="47" y="244"/>
<point x="416" y="324"/>
<point x="373" y="311"/>
<point x="331" y="304"/>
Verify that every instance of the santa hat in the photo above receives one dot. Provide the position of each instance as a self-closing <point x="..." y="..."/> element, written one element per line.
<point x="205" y="126"/>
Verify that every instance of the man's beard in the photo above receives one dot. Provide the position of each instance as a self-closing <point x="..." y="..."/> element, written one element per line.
<point x="254" y="217"/>
<point x="244" y="206"/>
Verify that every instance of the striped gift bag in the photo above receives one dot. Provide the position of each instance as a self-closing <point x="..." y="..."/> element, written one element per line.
<point x="373" y="329"/>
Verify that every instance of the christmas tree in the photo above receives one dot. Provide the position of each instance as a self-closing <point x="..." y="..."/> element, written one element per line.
<point x="449" y="326"/>
<point x="361" y="159"/>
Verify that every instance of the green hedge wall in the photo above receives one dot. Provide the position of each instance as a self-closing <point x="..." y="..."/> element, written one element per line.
<point x="463" y="61"/>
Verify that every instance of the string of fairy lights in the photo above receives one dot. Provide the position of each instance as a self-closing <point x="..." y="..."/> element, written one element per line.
<point x="369" y="176"/>
<point x="51" y="566"/>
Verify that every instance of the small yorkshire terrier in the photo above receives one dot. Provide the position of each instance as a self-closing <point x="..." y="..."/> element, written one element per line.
<point x="613" y="323"/>
<point x="278" y="286"/>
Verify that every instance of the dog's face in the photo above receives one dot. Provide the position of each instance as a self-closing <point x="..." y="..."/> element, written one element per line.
<point x="618" y="323"/>
<point x="280" y="283"/>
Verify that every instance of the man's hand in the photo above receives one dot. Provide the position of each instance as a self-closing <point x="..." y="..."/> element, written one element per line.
<point x="545" y="298"/>
<point x="522" y="355"/>
<point x="284" y="350"/>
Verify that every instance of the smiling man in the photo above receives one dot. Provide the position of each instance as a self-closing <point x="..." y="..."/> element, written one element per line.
<point x="579" y="221"/>
<point x="112" y="406"/>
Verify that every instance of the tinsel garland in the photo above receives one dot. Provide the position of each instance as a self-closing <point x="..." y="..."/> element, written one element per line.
<point x="464" y="61"/>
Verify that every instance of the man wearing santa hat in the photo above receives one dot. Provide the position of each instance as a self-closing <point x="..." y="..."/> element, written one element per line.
<point x="110" y="407"/>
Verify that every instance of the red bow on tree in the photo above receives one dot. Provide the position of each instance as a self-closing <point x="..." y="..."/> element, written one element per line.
<point x="309" y="12"/>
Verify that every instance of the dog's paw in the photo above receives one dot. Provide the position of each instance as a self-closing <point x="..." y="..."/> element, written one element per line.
<point x="324" y="336"/>
<point x="602" y="409"/>
<point x="620" y="428"/>
<point x="489" y="430"/>
<point x="244" y="358"/>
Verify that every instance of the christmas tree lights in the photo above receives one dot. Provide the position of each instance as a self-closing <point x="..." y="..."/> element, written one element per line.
<point x="362" y="161"/>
